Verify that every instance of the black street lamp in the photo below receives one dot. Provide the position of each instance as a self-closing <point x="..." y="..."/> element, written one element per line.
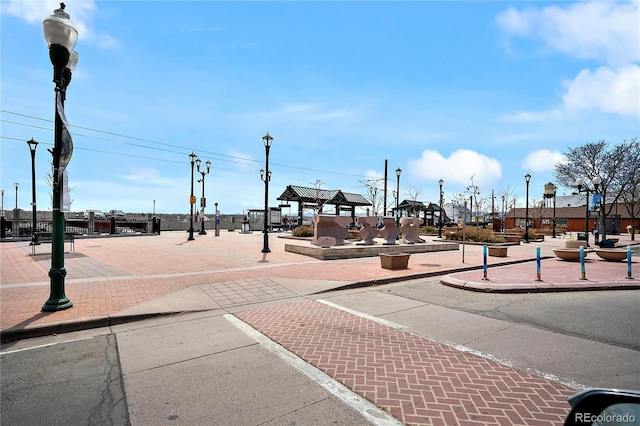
<point x="192" y="198"/>
<point x="61" y="37"/>
<point x="440" y="182"/>
<point x="398" y="172"/>
<point x="203" y="200"/>
<point x="583" y="188"/>
<point x="32" y="147"/>
<point x="527" y="178"/>
<point x="265" y="176"/>
<point x="3" y="203"/>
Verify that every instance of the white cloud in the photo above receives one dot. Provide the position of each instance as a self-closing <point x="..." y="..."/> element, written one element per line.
<point x="458" y="168"/>
<point x="81" y="12"/>
<point x="608" y="90"/>
<point x="605" y="31"/>
<point x="542" y="160"/>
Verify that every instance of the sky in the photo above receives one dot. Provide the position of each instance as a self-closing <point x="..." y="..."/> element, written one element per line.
<point x="471" y="92"/>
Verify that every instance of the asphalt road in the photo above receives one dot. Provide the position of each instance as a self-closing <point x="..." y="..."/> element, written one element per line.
<point x="69" y="383"/>
<point x="610" y="317"/>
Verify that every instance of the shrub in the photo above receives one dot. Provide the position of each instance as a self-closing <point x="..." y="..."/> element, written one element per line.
<point x="428" y="230"/>
<point x="474" y="234"/>
<point x="303" y="231"/>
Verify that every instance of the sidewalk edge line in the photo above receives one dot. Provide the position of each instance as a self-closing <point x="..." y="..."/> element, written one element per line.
<point x="370" y="411"/>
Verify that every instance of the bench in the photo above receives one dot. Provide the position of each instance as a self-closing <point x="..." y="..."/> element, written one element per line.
<point x="47" y="237"/>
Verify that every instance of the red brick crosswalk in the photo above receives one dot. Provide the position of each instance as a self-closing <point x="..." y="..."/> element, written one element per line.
<point x="416" y="380"/>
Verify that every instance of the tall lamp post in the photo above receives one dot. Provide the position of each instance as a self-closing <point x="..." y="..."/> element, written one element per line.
<point x="192" y="198"/>
<point x="16" y="209"/>
<point x="440" y="182"/>
<point x="3" y="203"/>
<point x="265" y="176"/>
<point x="527" y="178"/>
<point x="203" y="201"/>
<point x="583" y="188"/>
<point x="61" y="37"/>
<point x="398" y="173"/>
<point x="32" y="147"/>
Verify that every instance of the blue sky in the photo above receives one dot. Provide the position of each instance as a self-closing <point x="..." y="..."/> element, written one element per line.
<point x="444" y="90"/>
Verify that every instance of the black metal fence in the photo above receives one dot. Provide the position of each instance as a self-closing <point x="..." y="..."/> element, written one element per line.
<point x="21" y="228"/>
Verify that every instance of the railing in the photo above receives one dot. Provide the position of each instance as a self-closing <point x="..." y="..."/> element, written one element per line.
<point x="21" y="228"/>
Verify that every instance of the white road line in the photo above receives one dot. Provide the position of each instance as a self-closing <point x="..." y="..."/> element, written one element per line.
<point x="374" y="414"/>
<point x="45" y="345"/>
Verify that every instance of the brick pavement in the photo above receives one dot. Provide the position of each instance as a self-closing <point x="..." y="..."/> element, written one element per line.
<point x="418" y="381"/>
<point x="108" y="275"/>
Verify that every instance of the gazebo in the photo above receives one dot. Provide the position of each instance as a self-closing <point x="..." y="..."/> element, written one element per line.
<point x="316" y="198"/>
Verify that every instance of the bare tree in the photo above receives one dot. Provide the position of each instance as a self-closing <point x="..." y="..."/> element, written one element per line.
<point x="320" y="198"/>
<point x="597" y="159"/>
<point x="413" y="193"/>
<point x="631" y="194"/>
<point x="374" y="190"/>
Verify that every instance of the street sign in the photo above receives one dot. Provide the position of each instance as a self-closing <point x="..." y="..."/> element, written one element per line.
<point x="192" y="199"/>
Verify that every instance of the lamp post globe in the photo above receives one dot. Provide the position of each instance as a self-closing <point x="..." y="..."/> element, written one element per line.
<point x="61" y="37"/>
<point x="265" y="175"/>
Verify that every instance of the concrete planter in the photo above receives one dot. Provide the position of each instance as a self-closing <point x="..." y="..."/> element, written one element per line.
<point x="497" y="251"/>
<point x="394" y="261"/>
<point x="572" y="254"/>
<point x="612" y="255"/>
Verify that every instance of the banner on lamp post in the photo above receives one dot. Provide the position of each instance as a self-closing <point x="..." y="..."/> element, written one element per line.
<point x="66" y="147"/>
<point x="65" y="198"/>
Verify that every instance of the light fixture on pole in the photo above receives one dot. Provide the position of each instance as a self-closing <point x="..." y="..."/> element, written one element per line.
<point x="2" y="203"/>
<point x="398" y="172"/>
<point x="440" y="182"/>
<point x="61" y="37"/>
<point x="32" y="148"/>
<point x="203" y="200"/>
<point x="192" y="198"/>
<point x="502" y="222"/>
<point x="527" y="178"/>
<point x="583" y="188"/>
<point x="265" y="176"/>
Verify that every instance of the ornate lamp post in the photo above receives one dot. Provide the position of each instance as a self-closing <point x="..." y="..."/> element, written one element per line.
<point x="582" y="188"/>
<point x="527" y="178"/>
<point x="192" y="198"/>
<point x="32" y="147"/>
<point x="265" y="176"/>
<point x="61" y="37"/>
<point x="203" y="201"/>
<point x="3" y="203"/>
<point x="440" y="182"/>
<point x="398" y="173"/>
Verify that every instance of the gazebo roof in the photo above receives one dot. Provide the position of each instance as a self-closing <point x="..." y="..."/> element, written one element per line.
<point x="304" y="194"/>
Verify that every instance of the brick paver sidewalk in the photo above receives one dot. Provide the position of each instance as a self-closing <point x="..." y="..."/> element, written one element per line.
<point x="418" y="381"/>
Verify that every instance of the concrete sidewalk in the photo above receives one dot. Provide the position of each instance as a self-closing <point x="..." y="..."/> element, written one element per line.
<point x="271" y="341"/>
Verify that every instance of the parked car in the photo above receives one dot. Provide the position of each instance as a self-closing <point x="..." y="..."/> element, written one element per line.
<point x="117" y="214"/>
<point x="600" y="407"/>
<point x="97" y="215"/>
